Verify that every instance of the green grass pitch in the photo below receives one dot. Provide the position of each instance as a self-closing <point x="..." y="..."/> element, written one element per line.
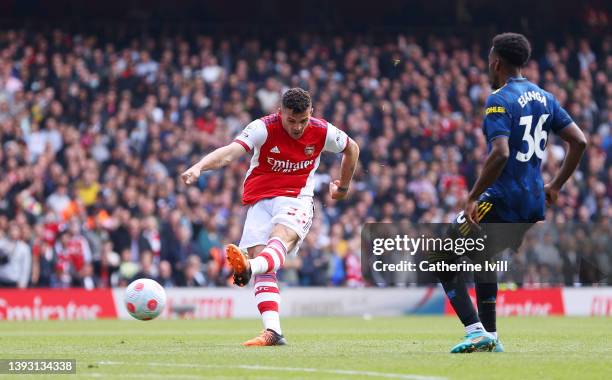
<point x="319" y="348"/>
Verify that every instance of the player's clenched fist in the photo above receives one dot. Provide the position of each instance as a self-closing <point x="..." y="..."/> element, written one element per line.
<point x="336" y="191"/>
<point x="190" y="175"/>
<point x="551" y="194"/>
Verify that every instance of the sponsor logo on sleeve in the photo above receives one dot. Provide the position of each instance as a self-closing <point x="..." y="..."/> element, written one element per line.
<point x="495" y="109"/>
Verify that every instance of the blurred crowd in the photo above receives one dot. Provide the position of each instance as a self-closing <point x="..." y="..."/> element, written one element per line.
<point x="95" y="133"/>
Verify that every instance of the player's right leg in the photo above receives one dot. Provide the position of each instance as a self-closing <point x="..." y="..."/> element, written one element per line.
<point x="282" y="240"/>
<point x="239" y="262"/>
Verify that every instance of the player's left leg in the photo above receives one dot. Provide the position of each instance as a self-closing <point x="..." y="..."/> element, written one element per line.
<point x="267" y="294"/>
<point x="503" y="235"/>
<point x="486" y="298"/>
<point x="291" y="218"/>
<point x="455" y="287"/>
<point x="485" y="282"/>
<point x="267" y="297"/>
<point x="476" y="337"/>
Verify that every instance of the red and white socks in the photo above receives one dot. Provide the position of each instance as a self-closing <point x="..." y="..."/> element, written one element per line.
<point x="270" y="259"/>
<point x="267" y="297"/>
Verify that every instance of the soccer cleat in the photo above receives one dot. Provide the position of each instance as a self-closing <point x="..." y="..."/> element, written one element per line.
<point x="478" y="341"/>
<point x="267" y="337"/>
<point x="499" y="347"/>
<point x="239" y="261"/>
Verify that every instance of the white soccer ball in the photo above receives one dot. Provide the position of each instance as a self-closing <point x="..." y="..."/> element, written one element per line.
<point x="145" y="299"/>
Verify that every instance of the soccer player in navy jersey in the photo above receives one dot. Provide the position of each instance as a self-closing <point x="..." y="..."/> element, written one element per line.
<point x="519" y="117"/>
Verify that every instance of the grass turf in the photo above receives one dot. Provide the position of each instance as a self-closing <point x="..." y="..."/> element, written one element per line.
<point x="319" y="348"/>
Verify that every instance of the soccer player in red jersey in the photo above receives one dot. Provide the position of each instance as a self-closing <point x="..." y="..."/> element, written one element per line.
<point x="278" y="189"/>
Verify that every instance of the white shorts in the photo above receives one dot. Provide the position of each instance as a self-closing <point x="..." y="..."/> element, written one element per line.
<point x="294" y="213"/>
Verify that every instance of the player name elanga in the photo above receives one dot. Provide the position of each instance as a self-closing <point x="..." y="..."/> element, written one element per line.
<point x="529" y="96"/>
<point x="440" y="266"/>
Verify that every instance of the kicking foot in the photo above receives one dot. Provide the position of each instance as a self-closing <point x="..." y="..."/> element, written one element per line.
<point x="268" y="337"/>
<point x="478" y="341"/>
<point x="239" y="261"/>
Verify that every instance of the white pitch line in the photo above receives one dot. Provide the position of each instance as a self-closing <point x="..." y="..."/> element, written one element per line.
<point x="141" y="376"/>
<point x="386" y="375"/>
<point x="103" y="333"/>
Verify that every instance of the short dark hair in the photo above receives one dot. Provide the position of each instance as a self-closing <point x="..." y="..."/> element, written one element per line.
<point x="514" y="48"/>
<point x="297" y="100"/>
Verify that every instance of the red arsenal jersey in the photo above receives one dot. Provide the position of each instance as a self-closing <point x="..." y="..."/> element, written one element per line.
<point x="282" y="165"/>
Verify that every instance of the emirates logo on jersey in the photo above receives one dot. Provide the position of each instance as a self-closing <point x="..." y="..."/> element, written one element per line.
<point x="287" y="166"/>
<point x="309" y="150"/>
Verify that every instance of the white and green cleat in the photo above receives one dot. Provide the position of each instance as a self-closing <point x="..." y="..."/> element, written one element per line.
<point x="478" y="341"/>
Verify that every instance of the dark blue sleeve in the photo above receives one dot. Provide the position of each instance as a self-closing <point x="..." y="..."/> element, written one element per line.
<point x="561" y="118"/>
<point x="497" y="120"/>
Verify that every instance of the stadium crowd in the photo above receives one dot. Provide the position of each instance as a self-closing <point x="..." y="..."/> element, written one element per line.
<point x="95" y="134"/>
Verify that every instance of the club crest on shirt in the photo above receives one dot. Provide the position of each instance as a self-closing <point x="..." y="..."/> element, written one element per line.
<point x="309" y="150"/>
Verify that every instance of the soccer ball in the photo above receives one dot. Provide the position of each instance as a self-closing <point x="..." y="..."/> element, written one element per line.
<point x="145" y="299"/>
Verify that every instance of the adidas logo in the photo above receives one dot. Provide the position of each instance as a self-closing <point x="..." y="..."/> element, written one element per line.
<point x="275" y="150"/>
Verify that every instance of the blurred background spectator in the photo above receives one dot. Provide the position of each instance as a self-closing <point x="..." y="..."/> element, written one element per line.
<point x="97" y="122"/>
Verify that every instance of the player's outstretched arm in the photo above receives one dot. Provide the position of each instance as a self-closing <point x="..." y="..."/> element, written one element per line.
<point x="339" y="188"/>
<point x="215" y="160"/>
<point x="577" y="144"/>
<point x="493" y="167"/>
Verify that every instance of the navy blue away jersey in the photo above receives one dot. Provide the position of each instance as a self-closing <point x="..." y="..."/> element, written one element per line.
<point x="525" y="114"/>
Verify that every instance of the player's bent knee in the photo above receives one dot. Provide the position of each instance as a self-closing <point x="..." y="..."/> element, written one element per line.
<point x="254" y="251"/>
<point x="286" y="235"/>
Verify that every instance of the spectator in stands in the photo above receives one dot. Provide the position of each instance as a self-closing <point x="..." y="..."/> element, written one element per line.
<point x="94" y="134"/>
<point x="107" y="266"/>
<point x="15" y="259"/>
<point x="147" y="269"/>
<point x="165" y="278"/>
<point x="314" y="263"/>
<point x="192" y="274"/>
